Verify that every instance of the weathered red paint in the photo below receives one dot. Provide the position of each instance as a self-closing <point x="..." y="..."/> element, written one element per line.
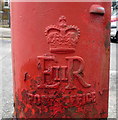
<point x="60" y="59"/>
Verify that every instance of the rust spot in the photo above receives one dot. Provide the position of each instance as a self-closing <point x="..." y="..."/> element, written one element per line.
<point x="39" y="66"/>
<point x="69" y="111"/>
<point x="55" y="93"/>
<point x="37" y="104"/>
<point x="79" y="92"/>
<point x="102" y="112"/>
<point x="108" y="26"/>
<point x="34" y="92"/>
<point x="94" y="112"/>
<point x="59" y="95"/>
<point x="107" y="42"/>
<point x="27" y="76"/>
<point x="69" y="92"/>
<point x="102" y="91"/>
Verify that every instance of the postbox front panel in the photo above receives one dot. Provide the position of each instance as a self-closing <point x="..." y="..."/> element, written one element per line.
<point x="60" y="59"/>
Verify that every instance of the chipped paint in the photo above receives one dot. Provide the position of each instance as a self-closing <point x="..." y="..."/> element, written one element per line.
<point x="57" y="70"/>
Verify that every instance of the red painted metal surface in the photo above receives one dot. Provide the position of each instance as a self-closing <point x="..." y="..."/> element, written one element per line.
<point x="60" y="59"/>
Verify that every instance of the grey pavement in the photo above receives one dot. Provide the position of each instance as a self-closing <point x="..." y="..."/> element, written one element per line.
<point x="5" y="32"/>
<point x="6" y="73"/>
<point x="113" y="81"/>
<point x="6" y="84"/>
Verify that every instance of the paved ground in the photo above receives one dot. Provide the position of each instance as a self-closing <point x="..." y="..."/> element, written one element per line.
<point x="7" y="94"/>
<point x="5" y="64"/>
<point x="5" y="33"/>
<point x="113" y="101"/>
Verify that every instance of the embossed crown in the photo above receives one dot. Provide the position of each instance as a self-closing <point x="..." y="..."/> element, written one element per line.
<point x="62" y="38"/>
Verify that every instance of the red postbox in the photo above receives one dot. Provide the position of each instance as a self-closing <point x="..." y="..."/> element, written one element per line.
<point x="60" y="59"/>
